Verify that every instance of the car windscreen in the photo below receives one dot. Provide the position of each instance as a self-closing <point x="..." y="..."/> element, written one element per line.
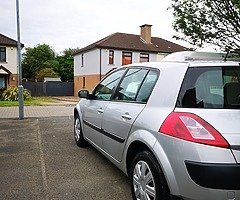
<point x="210" y="87"/>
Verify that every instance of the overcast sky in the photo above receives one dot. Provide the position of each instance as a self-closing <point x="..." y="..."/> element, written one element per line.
<point x="77" y="23"/>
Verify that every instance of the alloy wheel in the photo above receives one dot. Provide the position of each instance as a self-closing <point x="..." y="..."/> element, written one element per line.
<point x="143" y="182"/>
<point x="77" y="129"/>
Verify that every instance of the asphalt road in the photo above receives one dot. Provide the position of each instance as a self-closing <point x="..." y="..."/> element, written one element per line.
<point x="39" y="160"/>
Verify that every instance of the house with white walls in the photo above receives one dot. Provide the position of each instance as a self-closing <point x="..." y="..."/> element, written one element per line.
<point x="8" y="62"/>
<point x="92" y="62"/>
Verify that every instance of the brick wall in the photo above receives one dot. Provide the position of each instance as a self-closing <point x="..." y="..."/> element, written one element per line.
<point x="90" y="82"/>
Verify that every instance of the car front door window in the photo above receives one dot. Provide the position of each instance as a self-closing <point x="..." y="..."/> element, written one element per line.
<point x="106" y="88"/>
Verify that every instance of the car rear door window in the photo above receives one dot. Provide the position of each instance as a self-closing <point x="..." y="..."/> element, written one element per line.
<point x="137" y="85"/>
<point x="147" y="86"/>
<point x="210" y="87"/>
<point x="128" y="89"/>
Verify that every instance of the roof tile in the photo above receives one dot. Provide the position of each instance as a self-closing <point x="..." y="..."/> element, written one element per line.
<point x="6" y="41"/>
<point x="123" y="41"/>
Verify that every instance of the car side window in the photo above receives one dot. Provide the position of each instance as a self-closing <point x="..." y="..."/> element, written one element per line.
<point x="105" y="89"/>
<point x="129" y="87"/>
<point x="211" y="88"/>
<point x="147" y="86"/>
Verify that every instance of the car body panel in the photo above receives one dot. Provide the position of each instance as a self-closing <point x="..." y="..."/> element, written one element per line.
<point x="118" y="122"/>
<point x="92" y="113"/>
<point x="165" y="95"/>
<point x="226" y="121"/>
<point x="141" y="124"/>
<point x="236" y="154"/>
<point x="179" y="151"/>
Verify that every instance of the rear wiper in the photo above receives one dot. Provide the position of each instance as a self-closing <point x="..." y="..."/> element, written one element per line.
<point x="232" y="106"/>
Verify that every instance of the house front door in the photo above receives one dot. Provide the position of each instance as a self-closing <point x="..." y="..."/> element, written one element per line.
<point x="2" y="82"/>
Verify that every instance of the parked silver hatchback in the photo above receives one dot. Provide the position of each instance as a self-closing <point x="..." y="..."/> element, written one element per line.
<point x="173" y="126"/>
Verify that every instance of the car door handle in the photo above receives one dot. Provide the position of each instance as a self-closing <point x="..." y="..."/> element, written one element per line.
<point x="100" y="111"/>
<point x="127" y="116"/>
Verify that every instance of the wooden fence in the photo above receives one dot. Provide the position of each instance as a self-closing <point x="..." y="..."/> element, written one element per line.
<point x="50" y="88"/>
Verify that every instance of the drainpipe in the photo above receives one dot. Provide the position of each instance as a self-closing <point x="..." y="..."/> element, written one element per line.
<point x="100" y="65"/>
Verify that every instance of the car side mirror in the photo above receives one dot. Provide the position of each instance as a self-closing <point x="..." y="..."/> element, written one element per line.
<point x="83" y="94"/>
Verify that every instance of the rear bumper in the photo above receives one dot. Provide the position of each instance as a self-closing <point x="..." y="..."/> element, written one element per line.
<point x="215" y="176"/>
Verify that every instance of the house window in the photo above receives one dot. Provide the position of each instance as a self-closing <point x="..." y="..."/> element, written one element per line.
<point x="82" y="61"/>
<point x="3" y="54"/>
<point x="126" y="58"/>
<point x="144" y="57"/>
<point x="84" y="82"/>
<point x="111" y="57"/>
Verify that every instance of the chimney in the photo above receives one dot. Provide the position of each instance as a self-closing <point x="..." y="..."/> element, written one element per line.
<point x="146" y="33"/>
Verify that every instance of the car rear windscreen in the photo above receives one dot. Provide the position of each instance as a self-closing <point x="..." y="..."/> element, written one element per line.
<point x="210" y="87"/>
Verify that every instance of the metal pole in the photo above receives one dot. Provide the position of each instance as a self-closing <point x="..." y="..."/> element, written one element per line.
<point x="20" y="87"/>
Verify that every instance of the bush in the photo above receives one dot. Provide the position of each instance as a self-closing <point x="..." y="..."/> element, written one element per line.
<point x="11" y="94"/>
<point x="46" y="72"/>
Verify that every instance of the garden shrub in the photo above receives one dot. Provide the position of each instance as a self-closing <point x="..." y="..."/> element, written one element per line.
<point x="11" y="94"/>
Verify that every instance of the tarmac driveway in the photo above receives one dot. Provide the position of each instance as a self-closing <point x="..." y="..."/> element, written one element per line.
<point x="39" y="160"/>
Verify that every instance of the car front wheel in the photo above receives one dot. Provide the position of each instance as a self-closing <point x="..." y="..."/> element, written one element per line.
<point x="78" y="135"/>
<point x="147" y="179"/>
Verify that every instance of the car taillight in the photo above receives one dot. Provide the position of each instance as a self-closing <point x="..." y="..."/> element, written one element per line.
<point x="190" y="127"/>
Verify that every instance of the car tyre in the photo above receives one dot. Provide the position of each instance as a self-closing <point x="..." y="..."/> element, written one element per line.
<point x="147" y="179"/>
<point x="78" y="135"/>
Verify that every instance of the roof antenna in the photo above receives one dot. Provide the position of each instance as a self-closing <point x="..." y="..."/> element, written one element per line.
<point x="225" y="57"/>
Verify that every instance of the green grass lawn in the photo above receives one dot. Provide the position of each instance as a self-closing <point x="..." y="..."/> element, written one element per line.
<point x="34" y="101"/>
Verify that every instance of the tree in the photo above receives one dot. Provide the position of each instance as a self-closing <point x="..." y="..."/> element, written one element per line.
<point x="208" y="22"/>
<point x="46" y="72"/>
<point x="42" y="56"/>
<point x="65" y="66"/>
<point x="37" y="58"/>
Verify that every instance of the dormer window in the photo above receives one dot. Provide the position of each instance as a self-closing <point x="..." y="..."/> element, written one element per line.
<point x="2" y="54"/>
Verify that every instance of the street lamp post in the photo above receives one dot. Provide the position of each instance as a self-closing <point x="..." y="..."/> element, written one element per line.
<point x="20" y="87"/>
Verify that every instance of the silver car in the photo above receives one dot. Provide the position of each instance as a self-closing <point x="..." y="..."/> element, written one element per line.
<point x="173" y="126"/>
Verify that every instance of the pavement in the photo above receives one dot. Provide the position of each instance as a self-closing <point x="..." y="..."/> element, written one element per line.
<point x="37" y="111"/>
<point x="63" y="107"/>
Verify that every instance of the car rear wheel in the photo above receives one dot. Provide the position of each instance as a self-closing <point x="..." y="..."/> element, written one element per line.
<point x="147" y="179"/>
<point x="78" y="135"/>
